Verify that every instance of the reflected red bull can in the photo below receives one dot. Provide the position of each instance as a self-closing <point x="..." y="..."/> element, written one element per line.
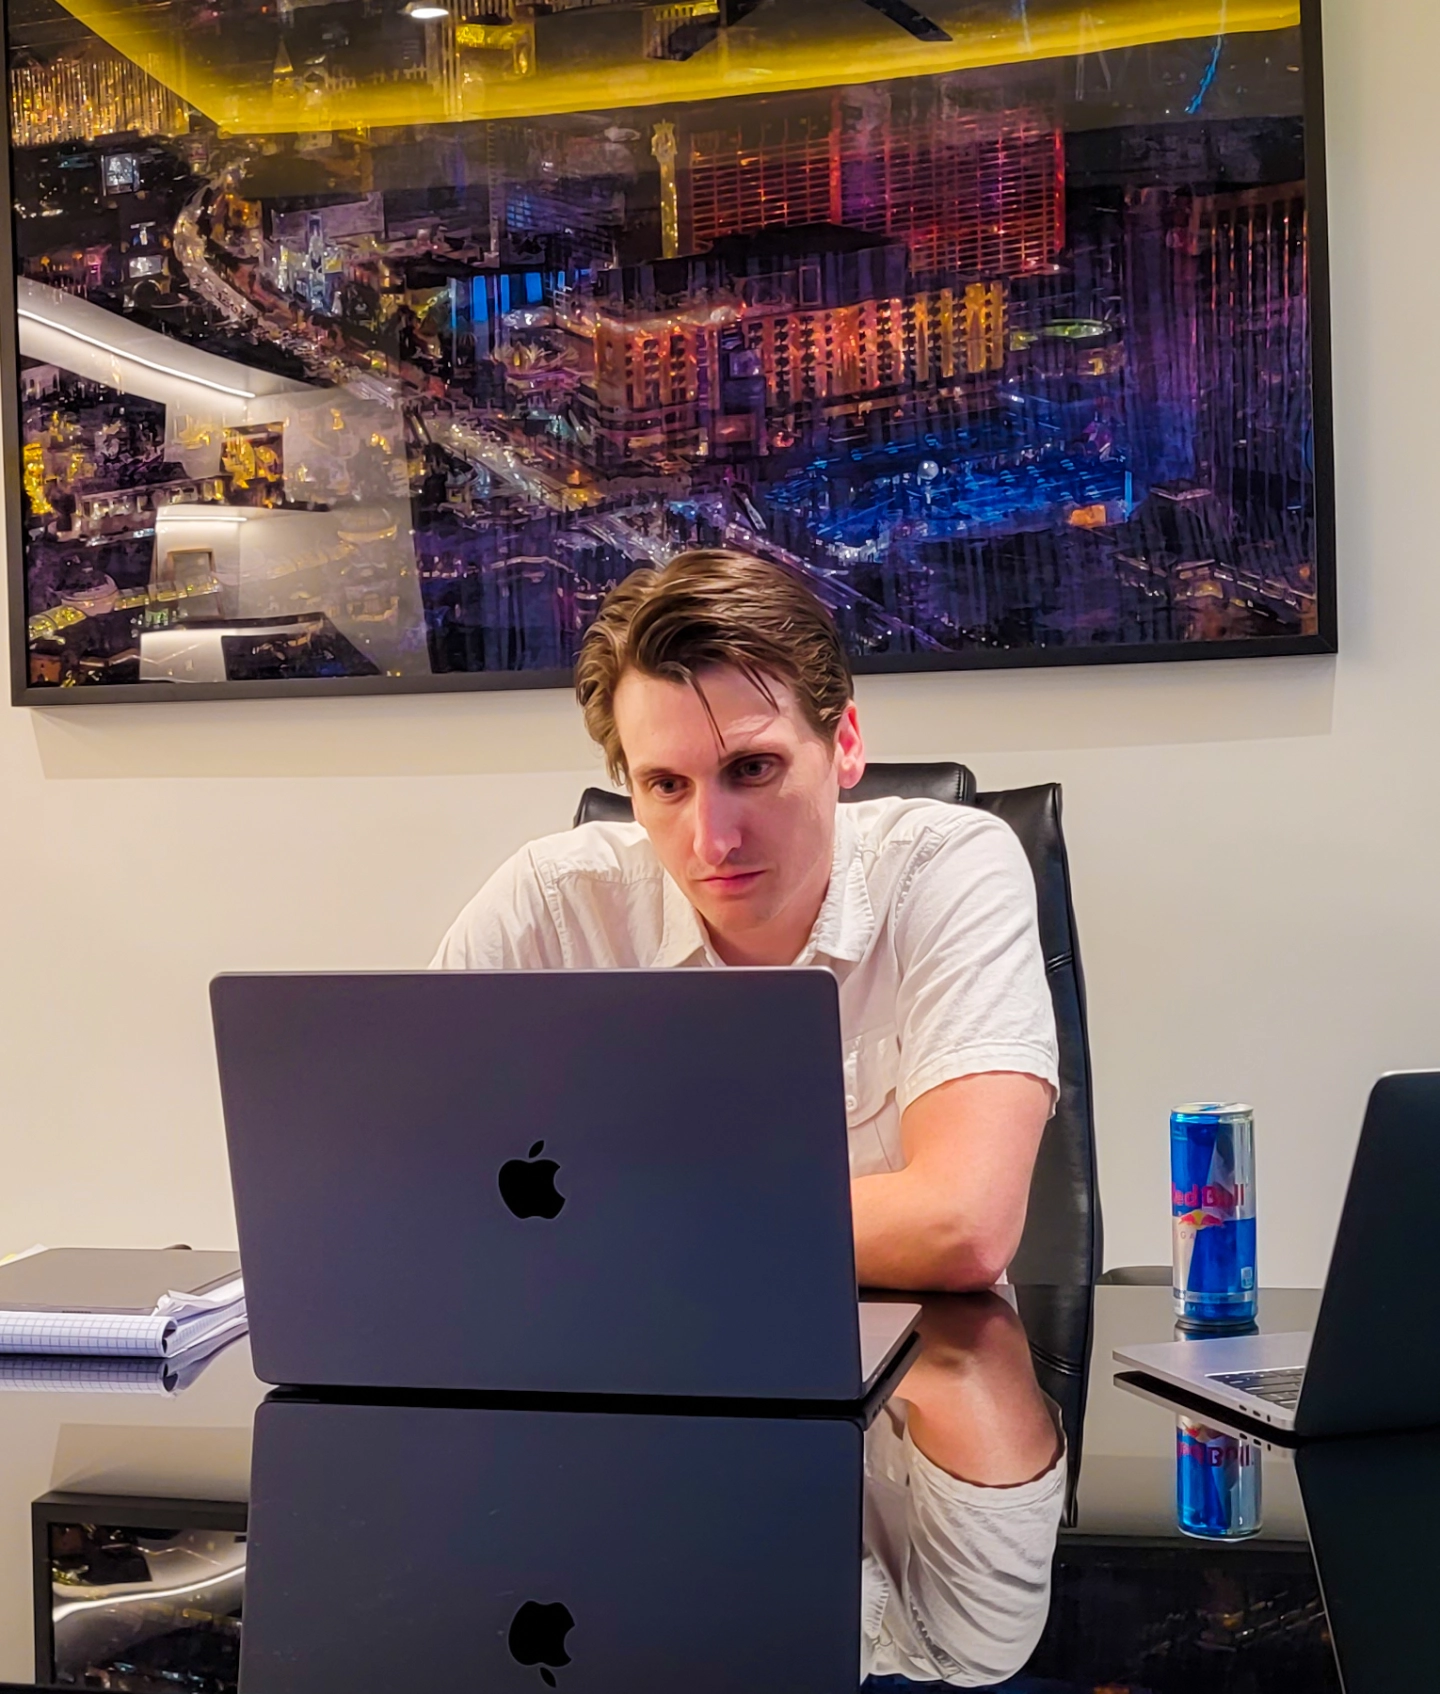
<point x="1217" y="1482"/>
<point x="1212" y="1203"/>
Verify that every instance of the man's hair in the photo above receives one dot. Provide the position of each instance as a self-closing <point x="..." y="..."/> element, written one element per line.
<point x="706" y="608"/>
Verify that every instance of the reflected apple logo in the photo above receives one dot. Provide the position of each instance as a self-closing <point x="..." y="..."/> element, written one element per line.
<point x="527" y="1186"/>
<point x="537" y="1637"/>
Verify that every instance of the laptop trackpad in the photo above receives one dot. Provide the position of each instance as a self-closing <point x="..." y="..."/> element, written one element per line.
<point x="883" y="1327"/>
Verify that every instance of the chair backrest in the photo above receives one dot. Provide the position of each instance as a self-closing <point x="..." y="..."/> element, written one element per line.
<point x="1063" y="1242"/>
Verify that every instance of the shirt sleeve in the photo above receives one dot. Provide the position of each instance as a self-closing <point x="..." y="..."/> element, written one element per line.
<point x="973" y="995"/>
<point x="507" y="926"/>
<point x="955" y="1582"/>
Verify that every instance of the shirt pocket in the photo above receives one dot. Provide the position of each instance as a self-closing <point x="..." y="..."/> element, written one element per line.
<point x="872" y="1072"/>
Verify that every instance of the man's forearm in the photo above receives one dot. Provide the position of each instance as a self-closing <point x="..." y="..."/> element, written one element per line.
<point x="952" y="1217"/>
<point x="910" y="1233"/>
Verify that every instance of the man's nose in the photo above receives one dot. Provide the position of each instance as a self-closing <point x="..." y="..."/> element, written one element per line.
<point x="717" y="827"/>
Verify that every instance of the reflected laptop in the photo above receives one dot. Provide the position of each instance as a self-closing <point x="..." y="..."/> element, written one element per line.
<point x="409" y="1546"/>
<point x="1362" y="1370"/>
<point x="536" y="1182"/>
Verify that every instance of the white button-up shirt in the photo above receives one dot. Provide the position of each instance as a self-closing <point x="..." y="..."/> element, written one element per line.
<point x="928" y="925"/>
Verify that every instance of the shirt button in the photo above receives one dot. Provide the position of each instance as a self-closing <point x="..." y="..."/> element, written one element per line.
<point x="849" y="1102"/>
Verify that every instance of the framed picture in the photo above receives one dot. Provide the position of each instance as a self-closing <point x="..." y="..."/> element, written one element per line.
<point x="363" y="345"/>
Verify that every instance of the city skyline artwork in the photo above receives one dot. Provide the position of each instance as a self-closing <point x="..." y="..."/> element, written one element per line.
<point x="365" y="346"/>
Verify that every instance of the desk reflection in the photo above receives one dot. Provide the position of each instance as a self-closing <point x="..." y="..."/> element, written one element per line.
<point x="1372" y="1504"/>
<point x="964" y="1491"/>
<point x="601" y="1550"/>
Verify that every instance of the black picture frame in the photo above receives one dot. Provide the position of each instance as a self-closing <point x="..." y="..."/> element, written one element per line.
<point x="1325" y="640"/>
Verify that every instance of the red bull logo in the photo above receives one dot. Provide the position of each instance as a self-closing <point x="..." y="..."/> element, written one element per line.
<point x="1218" y="1452"/>
<point x="1208" y="1197"/>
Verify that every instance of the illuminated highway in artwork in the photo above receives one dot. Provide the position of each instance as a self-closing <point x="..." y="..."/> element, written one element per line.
<point x="362" y="340"/>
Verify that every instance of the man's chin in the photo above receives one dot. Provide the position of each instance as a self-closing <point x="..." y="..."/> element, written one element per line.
<point x="737" y="913"/>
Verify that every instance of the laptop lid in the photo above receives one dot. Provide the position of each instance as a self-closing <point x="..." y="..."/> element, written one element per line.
<point x="1371" y="1365"/>
<point x="396" y="1547"/>
<point x="627" y="1182"/>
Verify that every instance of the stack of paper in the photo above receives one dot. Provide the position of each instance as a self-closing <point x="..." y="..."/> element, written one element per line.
<point x="107" y="1304"/>
<point x="178" y="1321"/>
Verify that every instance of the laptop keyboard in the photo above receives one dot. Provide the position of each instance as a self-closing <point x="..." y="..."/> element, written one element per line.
<point x="1279" y="1387"/>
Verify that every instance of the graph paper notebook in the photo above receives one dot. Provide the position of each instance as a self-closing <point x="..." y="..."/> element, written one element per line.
<point x="119" y="1302"/>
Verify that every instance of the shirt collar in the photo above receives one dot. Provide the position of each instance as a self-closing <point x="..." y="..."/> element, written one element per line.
<point x="843" y="929"/>
<point x="846" y="923"/>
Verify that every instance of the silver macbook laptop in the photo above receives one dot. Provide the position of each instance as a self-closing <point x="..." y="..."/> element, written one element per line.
<point x="536" y="1182"/>
<point x="1369" y="1365"/>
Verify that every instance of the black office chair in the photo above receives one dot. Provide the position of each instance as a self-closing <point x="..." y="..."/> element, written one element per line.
<point x="1062" y="1243"/>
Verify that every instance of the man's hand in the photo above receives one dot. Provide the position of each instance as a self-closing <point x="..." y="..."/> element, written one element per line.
<point x="952" y="1218"/>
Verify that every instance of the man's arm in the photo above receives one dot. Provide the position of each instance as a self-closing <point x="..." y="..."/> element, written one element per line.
<point x="976" y="1409"/>
<point x="951" y="1219"/>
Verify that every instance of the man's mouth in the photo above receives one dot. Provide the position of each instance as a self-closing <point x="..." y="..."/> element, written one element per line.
<point x="731" y="882"/>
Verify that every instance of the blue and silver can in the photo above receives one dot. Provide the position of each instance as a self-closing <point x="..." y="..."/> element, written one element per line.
<point x="1217" y="1482"/>
<point x="1212" y="1200"/>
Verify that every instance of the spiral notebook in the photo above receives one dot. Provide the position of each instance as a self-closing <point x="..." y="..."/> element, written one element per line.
<point x="119" y="1302"/>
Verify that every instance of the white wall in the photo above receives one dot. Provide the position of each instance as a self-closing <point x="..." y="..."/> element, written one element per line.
<point x="1253" y="843"/>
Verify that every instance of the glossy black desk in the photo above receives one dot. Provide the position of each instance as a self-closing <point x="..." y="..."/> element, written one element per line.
<point x="1134" y="1606"/>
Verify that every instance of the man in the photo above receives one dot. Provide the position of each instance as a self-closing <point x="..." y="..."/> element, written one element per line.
<point x="721" y="696"/>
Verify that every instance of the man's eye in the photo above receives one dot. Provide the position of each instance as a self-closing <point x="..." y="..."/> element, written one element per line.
<point x="667" y="787"/>
<point x="752" y="770"/>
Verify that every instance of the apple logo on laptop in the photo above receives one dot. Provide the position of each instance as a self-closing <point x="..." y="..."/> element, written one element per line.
<point x="537" y="1637"/>
<point x="527" y="1186"/>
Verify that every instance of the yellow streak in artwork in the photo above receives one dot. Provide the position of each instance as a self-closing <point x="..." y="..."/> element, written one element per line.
<point x="794" y="44"/>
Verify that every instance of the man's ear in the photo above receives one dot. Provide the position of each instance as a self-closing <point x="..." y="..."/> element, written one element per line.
<point x="849" y="748"/>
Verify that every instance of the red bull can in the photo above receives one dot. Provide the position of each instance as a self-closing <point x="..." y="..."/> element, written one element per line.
<point x="1212" y="1202"/>
<point x="1217" y="1482"/>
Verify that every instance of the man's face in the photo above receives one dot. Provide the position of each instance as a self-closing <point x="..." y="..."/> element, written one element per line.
<point x="738" y="802"/>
